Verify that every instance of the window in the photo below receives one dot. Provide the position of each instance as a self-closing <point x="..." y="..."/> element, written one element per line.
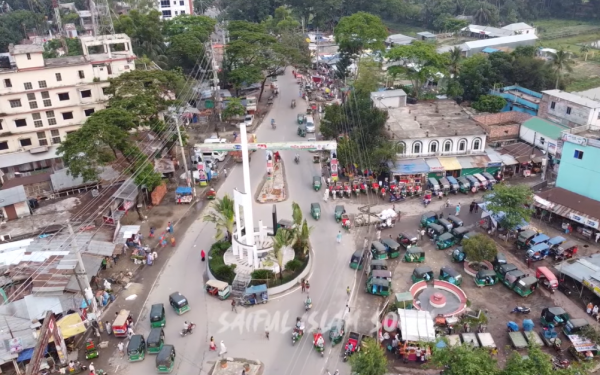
<point x="55" y="136"/>
<point x="67" y="115"/>
<point x="64" y="96"/>
<point x="41" y="136"/>
<point x="166" y="13"/>
<point x="4" y="145"/>
<point x="45" y="95"/>
<point x="402" y="146"/>
<point x="7" y="83"/>
<point x="20" y="123"/>
<point x="462" y="145"/>
<point x="31" y="96"/>
<point x="86" y="94"/>
<point x="165" y="3"/>
<point x="33" y="105"/>
<point x="1" y="124"/>
<point x="88" y="112"/>
<point x="28" y="85"/>
<point x="477" y="144"/>
<point x="28" y="56"/>
<point x="50" y="117"/>
<point x="42" y="84"/>
<point x="447" y="146"/>
<point x="183" y="12"/>
<point x="552" y="105"/>
<point x="15" y="103"/>
<point x="58" y="77"/>
<point x="433" y="147"/>
<point x="181" y="2"/>
<point x="568" y="110"/>
<point x="176" y="12"/>
<point x="417" y="146"/>
<point x="37" y="120"/>
<point x="47" y="103"/>
<point x="542" y="140"/>
<point x="81" y="74"/>
<point x="105" y="90"/>
<point x="578" y="154"/>
<point x="25" y="142"/>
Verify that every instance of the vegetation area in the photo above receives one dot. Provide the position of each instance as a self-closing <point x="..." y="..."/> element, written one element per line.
<point x="515" y="202"/>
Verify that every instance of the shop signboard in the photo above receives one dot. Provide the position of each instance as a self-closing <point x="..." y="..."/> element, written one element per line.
<point x="593" y="142"/>
<point x="585" y="221"/>
<point x="568" y="137"/>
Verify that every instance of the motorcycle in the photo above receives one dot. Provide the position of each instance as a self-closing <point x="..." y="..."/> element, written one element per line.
<point x="521" y="310"/>
<point x="297" y="159"/>
<point x="307" y="306"/>
<point x="426" y="202"/>
<point x="189" y="331"/>
<point x="273" y="125"/>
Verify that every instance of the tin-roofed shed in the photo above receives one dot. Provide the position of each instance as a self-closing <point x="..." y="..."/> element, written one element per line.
<point x="14" y="203"/>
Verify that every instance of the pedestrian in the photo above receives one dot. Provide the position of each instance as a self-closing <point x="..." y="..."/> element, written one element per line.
<point x="378" y="234"/>
<point x="348" y="291"/>
<point x="595" y="311"/>
<point x="472" y="207"/>
<point x="129" y="333"/>
<point x="589" y="308"/>
<point x="152" y="230"/>
<point x="366" y="243"/>
<point x="212" y="344"/>
<point x="92" y="368"/>
<point x="267" y="334"/>
<point x="597" y="236"/>
<point x="225" y="172"/>
<point x="203" y="255"/>
<point x="154" y="255"/>
<point x="339" y="237"/>
<point x="223" y="348"/>
<point x="108" y="327"/>
<point x="173" y="241"/>
<point x="170" y="227"/>
<point x="476" y="207"/>
<point x="422" y="234"/>
<point x="121" y="347"/>
<point x="457" y="209"/>
<point x="149" y="259"/>
<point x="303" y="285"/>
<point x="233" y="306"/>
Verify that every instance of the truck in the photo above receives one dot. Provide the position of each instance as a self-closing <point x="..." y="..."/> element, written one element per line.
<point x="237" y="155"/>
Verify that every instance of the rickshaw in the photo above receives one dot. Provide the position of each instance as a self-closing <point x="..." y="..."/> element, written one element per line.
<point x="474" y="184"/>
<point x="512" y="277"/>
<point x="155" y="340"/>
<point x="433" y="185"/>
<point x="315" y="210"/>
<point x="444" y="185"/>
<point x="293" y="105"/>
<point x="575" y="326"/>
<point x="337" y="331"/>
<point x="298" y="331"/>
<point x="486" y="277"/>
<point x="319" y="342"/>
<point x="136" y="348"/>
<point x="157" y="316"/>
<point x="454" y="186"/>
<point x="254" y="295"/>
<point x="120" y="325"/>
<point x="487" y="341"/>
<point x="555" y="242"/>
<point x="524" y="237"/>
<point x="211" y="194"/>
<point x="538" y="252"/>
<point x="422" y="273"/>
<point x="338" y="212"/>
<point x="301" y="130"/>
<point x="414" y="255"/>
<point x="378" y="250"/>
<point x="445" y="241"/>
<point x="460" y="232"/>
<point x="526" y="286"/>
<point x="347" y="190"/>
<point x="179" y="303"/>
<point x="378" y="264"/>
<point x="490" y="178"/>
<point x="450" y="275"/>
<point x="218" y="289"/>
<point x="407" y="240"/>
<point x="555" y="316"/>
<point x="499" y="260"/>
<point x="456" y="222"/>
<point x="316" y="159"/>
<point x="565" y="251"/>
<point x="91" y="351"/>
<point x="317" y="183"/>
<point x="547" y="278"/>
<point x="378" y="287"/>
<point x="393" y="247"/>
<point x="358" y="259"/>
<point x="300" y="118"/>
<point x="352" y="346"/>
<point x="356" y="187"/>
<point x="539" y="239"/>
<point x="458" y="255"/>
<point x="464" y="186"/>
<point x="165" y="359"/>
<point x="381" y="274"/>
<point x="435" y="230"/>
<point x="446" y="224"/>
<point x="428" y="218"/>
<point x="346" y="223"/>
<point x="504" y="269"/>
<point x="483" y="182"/>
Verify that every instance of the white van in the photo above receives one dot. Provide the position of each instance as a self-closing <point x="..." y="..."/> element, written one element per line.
<point x="310" y="124"/>
<point x="213" y="155"/>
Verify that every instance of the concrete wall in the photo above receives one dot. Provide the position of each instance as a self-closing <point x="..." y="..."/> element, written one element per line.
<point x="579" y="115"/>
<point x="539" y="140"/>
<point x="441" y="141"/>
<point x="580" y="176"/>
<point x="494" y="124"/>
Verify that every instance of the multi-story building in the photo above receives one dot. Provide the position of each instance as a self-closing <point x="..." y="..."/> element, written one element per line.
<point x="42" y="100"/>
<point x="519" y="99"/>
<point x="569" y="109"/>
<point x="174" y="8"/>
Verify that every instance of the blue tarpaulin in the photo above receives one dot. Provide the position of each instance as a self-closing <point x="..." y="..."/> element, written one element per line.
<point x="26" y="354"/>
<point x="183" y="190"/>
<point x="409" y="167"/>
<point x="497" y="217"/>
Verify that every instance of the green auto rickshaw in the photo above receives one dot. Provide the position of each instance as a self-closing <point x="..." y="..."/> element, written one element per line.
<point x="337" y="331"/>
<point x="378" y="287"/>
<point x="524" y="237"/>
<point x="377" y="264"/>
<point x="458" y="255"/>
<point x="460" y="232"/>
<point x="378" y="250"/>
<point x="445" y="241"/>
<point x="358" y="259"/>
<point x="155" y="340"/>
<point x="179" y="303"/>
<point x="165" y="360"/>
<point x="315" y="210"/>
<point x="450" y="275"/>
<point x="464" y="186"/>
<point x="404" y="300"/>
<point x="414" y="255"/>
<point x="422" y="273"/>
<point x="317" y="183"/>
<point x="157" y="315"/>
<point x="428" y="218"/>
<point x="338" y="212"/>
<point x="136" y="348"/>
<point x="434" y="230"/>
<point x="486" y="277"/>
<point x="301" y="117"/>
<point x="392" y="247"/>
<point x="301" y="130"/>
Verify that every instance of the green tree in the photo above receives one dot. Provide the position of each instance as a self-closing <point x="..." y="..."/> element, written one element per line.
<point x="369" y="76"/>
<point x="370" y="360"/>
<point x="513" y="201"/>
<point x="283" y="239"/>
<point x="476" y="77"/>
<point x="489" y="103"/>
<point x="282" y="21"/>
<point x="145" y="31"/>
<point x="525" y="51"/>
<point x="455" y="57"/>
<point x="234" y="109"/>
<point x="464" y="360"/>
<point x="222" y="215"/>
<point x="14" y="26"/>
<point x="73" y="45"/>
<point x="585" y="49"/>
<point x="562" y="62"/>
<point x="479" y="248"/>
<point x="536" y="363"/>
<point x="360" y="31"/>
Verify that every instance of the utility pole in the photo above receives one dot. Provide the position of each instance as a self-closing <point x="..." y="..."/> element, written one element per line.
<point x="216" y="91"/>
<point x="81" y="275"/>
<point x="188" y="176"/>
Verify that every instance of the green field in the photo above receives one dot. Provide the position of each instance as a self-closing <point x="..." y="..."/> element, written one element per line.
<point x="402" y="28"/>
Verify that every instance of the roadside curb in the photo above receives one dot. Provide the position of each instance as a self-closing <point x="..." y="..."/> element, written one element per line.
<point x="264" y="181"/>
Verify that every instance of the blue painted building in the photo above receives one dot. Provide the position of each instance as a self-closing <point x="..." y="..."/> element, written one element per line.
<point x="519" y="99"/>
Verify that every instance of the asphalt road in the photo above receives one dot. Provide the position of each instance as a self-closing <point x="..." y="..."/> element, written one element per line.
<point x="243" y="332"/>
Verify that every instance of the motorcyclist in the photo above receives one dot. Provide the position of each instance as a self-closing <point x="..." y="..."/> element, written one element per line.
<point x="308" y="301"/>
<point x="297" y="157"/>
<point x="187" y="327"/>
<point x="272" y="121"/>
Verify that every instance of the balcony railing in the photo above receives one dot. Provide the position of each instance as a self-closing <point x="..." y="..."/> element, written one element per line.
<point x="441" y="154"/>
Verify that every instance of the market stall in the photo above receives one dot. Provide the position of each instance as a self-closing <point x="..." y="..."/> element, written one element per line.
<point x="410" y="173"/>
<point x="417" y="329"/>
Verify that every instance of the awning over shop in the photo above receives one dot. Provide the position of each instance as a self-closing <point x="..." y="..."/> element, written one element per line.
<point x="523" y="152"/>
<point x="26" y="354"/>
<point x="450" y="164"/>
<point x="495" y="158"/>
<point x="585" y="271"/>
<point x="573" y="206"/>
<point x="434" y="165"/>
<point x="480" y="161"/>
<point x="71" y="325"/>
<point x="466" y="162"/>
<point x="508" y="160"/>
<point x="414" y="166"/>
<point x="416" y="325"/>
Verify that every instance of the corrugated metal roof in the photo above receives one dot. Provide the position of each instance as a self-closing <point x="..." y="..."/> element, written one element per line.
<point x="101" y="248"/>
<point x="500" y="41"/>
<point x="450" y="164"/>
<point x="582" y="269"/>
<point x="18" y="158"/>
<point x="523" y="152"/>
<point x="480" y="161"/>
<point x="565" y="202"/>
<point x="434" y="164"/>
<point x="28" y="180"/>
<point x="546" y="128"/>
<point x="405" y="167"/>
<point x="128" y="191"/>
<point x="13" y="195"/>
<point x="465" y="162"/>
<point x="517" y="26"/>
<point x="493" y="155"/>
<point x="508" y="159"/>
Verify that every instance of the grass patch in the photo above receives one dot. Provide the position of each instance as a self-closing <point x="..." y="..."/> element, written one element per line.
<point x="402" y="28"/>
<point x="583" y="84"/>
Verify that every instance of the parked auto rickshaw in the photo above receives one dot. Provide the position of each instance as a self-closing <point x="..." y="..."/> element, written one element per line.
<point x="491" y="180"/>
<point x="378" y="250"/>
<point x="136" y="348"/>
<point x="486" y="277"/>
<point x="428" y="218"/>
<point x="458" y="255"/>
<point x="464" y="186"/>
<point x="512" y="277"/>
<point x="301" y="130"/>
<point x="446" y="224"/>
<point x="565" y="251"/>
<point x="315" y="210"/>
<point x="445" y="241"/>
<point x="381" y="274"/>
<point x="378" y="287"/>
<point x="179" y="303"/>
<point x="538" y="252"/>
<point x="456" y="222"/>
<point x="575" y="326"/>
<point x="254" y="295"/>
<point x="337" y="331"/>
<point x="317" y="183"/>
<point x="414" y="255"/>
<point x="377" y="264"/>
<point x="540" y="238"/>
<point x="407" y="239"/>
<point x="524" y="237"/>
<point x="526" y="286"/>
<point x="91" y="351"/>
<point x="157" y="316"/>
<point x="555" y="242"/>
<point x="422" y="273"/>
<point x="155" y="340"/>
<point x="444" y="185"/>
<point x="393" y="247"/>
<point x="450" y="275"/>
<point x="433" y="185"/>
<point x="338" y="212"/>
<point x="316" y="158"/>
<point x="357" y="260"/>
<point x="547" y="278"/>
<point x="435" y="230"/>
<point x="459" y="233"/>
<point x="454" y="185"/>
<point x="556" y="316"/>
<point x="165" y="359"/>
<point x="473" y="183"/>
<point x="499" y="260"/>
<point x="301" y="118"/>
<point x="483" y="182"/>
<point x="218" y="289"/>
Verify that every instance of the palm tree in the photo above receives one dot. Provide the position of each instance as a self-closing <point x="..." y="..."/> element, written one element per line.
<point x="283" y="239"/>
<point x="454" y="60"/>
<point x="222" y="214"/>
<point x="562" y="61"/>
<point x="296" y="214"/>
<point x="303" y="237"/>
<point x="482" y="15"/>
<point x="585" y="49"/>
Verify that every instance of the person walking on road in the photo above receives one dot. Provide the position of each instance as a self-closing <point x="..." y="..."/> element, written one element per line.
<point x="203" y="255"/>
<point x="212" y="344"/>
<point x="597" y="236"/>
<point x="476" y="207"/>
<point x="303" y="284"/>
<point x="108" y="327"/>
<point x="472" y="207"/>
<point x="348" y="291"/>
<point x="233" y="306"/>
<point x="170" y="227"/>
<point x="223" y="348"/>
<point x="339" y="237"/>
<point x="366" y="243"/>
<point x="225" y="172"/>
<point x="92" y="368"/>
<point x="457" y="209"/>
<point x="152" y="230"/>
<point x="121" y="348"/>
<point x="378" y="234"/>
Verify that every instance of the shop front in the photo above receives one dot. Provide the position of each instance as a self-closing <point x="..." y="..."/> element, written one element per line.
<point x="495" y="164"/>
<point x="436" y="170"/>
<point x="451" y="166"/>
<point x="529" y="159"/>
<point x="479" y="164"/>
<point x="412" y="173"/>
<point x="509" y="165"/>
